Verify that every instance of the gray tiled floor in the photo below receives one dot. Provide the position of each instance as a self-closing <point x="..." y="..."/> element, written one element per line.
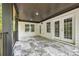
<point x="39" y="46"/>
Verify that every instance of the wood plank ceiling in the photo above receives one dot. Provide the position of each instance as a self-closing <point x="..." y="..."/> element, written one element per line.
<point x="38" y="12"/>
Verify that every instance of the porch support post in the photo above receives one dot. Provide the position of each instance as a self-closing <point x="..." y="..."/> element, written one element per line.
<point x="7" y="21"/>
<point x="16" y="29"/>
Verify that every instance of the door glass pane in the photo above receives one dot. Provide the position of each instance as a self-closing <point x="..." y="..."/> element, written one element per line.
<point x="27" y="28"/>
<point x="48" y="27"/>
<point x="57" y="28"/>
<point x="40" y="29"/>
<point x="68" y="28"/>
<point x="32" y="28"/>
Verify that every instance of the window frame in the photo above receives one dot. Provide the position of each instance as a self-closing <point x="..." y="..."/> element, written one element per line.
<point x="40" y="29"/>
<point x="32" y="27"/>
<point x="68" y="28"/>
<point x="48" y="27"/>
<point x="27" y="27"/>
<point x="57" y="29"/>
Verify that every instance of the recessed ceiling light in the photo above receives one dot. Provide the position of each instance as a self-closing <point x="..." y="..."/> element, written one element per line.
<point x="37" y="13"/>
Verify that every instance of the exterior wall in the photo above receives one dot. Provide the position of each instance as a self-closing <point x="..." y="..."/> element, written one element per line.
<point x="75" y="27"/>
<point x="43" y="30"/>
<point x="21" y="30"/>
<point x="75" y="23"/>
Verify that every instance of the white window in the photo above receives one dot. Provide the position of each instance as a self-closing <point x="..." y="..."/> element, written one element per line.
<point x="48" y="27"/>
<point x="57" y="28"/>
<point x="27" y="27"/>
<point x="32" y="28"/>
<point x="68" y="28"/>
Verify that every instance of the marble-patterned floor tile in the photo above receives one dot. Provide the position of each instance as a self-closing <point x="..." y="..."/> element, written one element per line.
<point x="39" y="46"/>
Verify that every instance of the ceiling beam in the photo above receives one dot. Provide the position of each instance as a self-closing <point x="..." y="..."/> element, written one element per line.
<point x="22" y="20"/>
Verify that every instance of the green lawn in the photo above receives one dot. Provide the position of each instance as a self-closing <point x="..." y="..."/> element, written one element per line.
<point x="0" y="25"/>
<point x="0" y="18"/>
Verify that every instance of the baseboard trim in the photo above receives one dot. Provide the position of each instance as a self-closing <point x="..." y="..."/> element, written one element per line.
<point x="60" y="41"/>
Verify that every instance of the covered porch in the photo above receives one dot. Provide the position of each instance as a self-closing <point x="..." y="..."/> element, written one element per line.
<point x="40" y="29"/>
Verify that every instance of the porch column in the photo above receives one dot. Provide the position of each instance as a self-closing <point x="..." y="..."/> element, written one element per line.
<point x="7" y="21"/>
<point x="16" y="29"/>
